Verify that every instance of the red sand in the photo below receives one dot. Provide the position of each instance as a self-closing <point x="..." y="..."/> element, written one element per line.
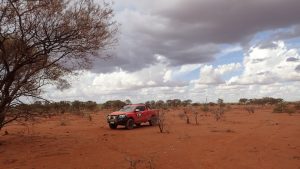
<point x="263" y="140"/>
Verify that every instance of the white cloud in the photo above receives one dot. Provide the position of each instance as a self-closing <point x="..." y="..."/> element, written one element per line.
<point x="211" y="75"/>
<point x="269" y="65"/>
<point x="148" y="82"/>
<point x="265" y="72"/>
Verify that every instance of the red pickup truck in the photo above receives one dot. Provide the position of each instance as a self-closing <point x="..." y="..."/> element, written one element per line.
<point x="131" y="115"/>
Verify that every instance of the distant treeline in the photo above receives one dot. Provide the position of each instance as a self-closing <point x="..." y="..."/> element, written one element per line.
<point x="90" y="106"/>
<point x="262" y="101"/>
<point x="42" y="107"/>
<point x="112" y="104"/>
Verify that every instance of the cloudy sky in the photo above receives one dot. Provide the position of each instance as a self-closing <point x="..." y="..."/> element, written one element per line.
<point x="193" y="49"/>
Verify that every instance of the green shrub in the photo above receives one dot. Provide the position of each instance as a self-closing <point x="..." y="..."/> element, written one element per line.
<point x="283" y="108"/>
<point x="280" y="108"/>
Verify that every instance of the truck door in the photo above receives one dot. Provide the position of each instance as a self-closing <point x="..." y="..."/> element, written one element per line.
<point x="142" y="114"/>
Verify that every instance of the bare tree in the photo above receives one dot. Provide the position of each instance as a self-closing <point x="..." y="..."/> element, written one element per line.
<point x="41" y="41"/>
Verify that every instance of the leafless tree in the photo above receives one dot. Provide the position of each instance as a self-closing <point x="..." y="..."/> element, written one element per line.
<point x="42" y="41"/>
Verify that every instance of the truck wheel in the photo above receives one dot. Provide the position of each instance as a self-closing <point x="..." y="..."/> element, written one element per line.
<point x="129" y="124"/>
<point x="113" y="126"/>
<point x="153" y="121"/>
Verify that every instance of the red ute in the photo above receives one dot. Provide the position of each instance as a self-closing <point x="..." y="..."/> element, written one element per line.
<point x="131" y="115"/>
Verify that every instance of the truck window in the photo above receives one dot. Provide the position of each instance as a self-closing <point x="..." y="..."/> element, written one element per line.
<point x="127" y="109"/>
<point x="141" y="108"/>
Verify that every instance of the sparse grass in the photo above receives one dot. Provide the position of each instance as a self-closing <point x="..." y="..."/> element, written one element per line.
<point x="133" y="163"/>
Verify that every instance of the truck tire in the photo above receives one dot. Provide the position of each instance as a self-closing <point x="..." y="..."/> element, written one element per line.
<point x="153" y="121"/>
<point x="113" y="126"/>
<point x="129" y="124"/>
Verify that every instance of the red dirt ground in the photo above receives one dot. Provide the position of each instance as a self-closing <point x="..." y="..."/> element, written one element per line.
<point x="262" y="140"/>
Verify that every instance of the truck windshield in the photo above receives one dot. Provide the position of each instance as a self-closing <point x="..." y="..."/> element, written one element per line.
<point x="127" y="109"/>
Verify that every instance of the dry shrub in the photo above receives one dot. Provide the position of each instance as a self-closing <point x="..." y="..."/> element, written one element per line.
<point x="250" y="109"/>
<point x="186" y="112"/>
<point x="162" y="121"/>
<point x="187" y="117"/>
<point x="134" y="163"/>
<point x="181" y="115"/>
<point x="297" y="106"/>
<point x="218" y="113"/>
<point x="283" y="108"/>
<point x="205" y="108"/>
<point x="196" y="113"/>
<point x="63" y="120"/>
<point x="90" y="117"/>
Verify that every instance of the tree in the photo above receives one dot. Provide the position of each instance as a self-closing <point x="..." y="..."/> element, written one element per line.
<point x="160" y="104"/>
<point x="41" y="41"/>
<point x="186" y="102"/>
<point x="243" y="100"/>
<point x="113" y="104"/>
<point x="127" y="101"/>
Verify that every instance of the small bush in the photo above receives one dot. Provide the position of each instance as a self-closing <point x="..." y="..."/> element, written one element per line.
<point x="283" y="108"/>
<point x="181" y="116"/>
<point x="90" y="118"/>
<point x="218" y="113"/>
<point x="250" y="109"/>
<point x="187" y="117"/>
<point x="297" y="106"/>
<point x="205" y="108"/>
<point x="162" y="121"/>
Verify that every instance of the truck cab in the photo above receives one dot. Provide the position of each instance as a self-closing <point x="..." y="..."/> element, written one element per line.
<point x="132" y="115"/>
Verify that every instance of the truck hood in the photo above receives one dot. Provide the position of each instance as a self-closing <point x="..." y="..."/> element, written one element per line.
<point x="118" y="113"/>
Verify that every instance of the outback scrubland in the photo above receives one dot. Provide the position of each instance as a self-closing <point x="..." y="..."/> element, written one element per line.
<point x="209" y="136"/>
